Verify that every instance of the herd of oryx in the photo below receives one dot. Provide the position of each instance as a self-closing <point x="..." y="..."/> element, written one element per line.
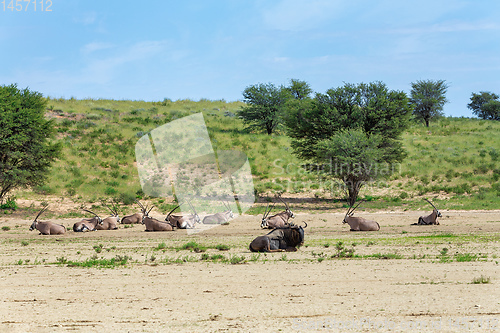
<point x="284" y="236"/>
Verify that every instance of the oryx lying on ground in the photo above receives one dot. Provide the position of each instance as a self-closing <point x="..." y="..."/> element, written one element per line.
<point x="87" y="224"/>
<point x="288" y="238"/>
<point x="47" y="228"/>
<point x="183" y="221"/>
<point x="153" y="224"/>
<point x="359" y="223"/>
<point x="111" y="222"/>
<point x="429" y="219"/>
<point x="135" y="218"/>
<point x="219" y="218"/>
<point x="278" y="220"/>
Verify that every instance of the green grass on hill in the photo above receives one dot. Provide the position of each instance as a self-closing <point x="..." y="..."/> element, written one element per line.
<point x="456" y="161"/>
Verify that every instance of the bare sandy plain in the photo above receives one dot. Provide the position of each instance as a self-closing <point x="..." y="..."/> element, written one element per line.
<point x="399" y="280"/>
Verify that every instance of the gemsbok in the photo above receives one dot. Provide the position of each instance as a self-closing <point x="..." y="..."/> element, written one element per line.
<point x="288" y="239"/>
<point x="111" y="222"/>
<point x="47" y="228"/>
<point x="135" y="218"/>
<point x="432" y="218"/>
<point x="359" y="223"/>
<point x="153" y="224"/>
<point x="183" y="221"/>
<point x="219" y="218"/>
<point x="278" y="220"/>
<point x="87" y="224"/>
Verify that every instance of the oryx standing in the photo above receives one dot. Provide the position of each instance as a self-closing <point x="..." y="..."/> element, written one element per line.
<point x="429" y="219"/>
<point x="359" y="223"/>
<point x="87" y="224"/>
<point x="47" y="228"/>
<point x="219" y="218"/>
<point x="278" y="220"/>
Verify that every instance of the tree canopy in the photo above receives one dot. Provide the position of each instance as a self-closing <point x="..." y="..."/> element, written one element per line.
<point x="266" y="103"/>
<point x="26" y="151"/>
<point x="351" y="132"/>
<point x="485" y="105"/>
<point x="428" y="96"/>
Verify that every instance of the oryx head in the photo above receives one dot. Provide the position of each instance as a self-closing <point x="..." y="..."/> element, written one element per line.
<point x="229" y="210"/>
<point x="287" y="209"/>
<point x="437" y="211"/>
<point x="35" y="221"/>
<point x="146" y="213"/>
<point x="263" y="224"/>
<point x="350" y="211"/>
<point x="195" y="213"/>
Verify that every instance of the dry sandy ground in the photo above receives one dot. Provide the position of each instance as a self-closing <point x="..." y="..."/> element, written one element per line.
<point x="279" y="292"/>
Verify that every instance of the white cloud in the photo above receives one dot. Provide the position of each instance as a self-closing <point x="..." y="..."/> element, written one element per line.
<point x="95" y="46"/>
<point x="86" y="18"/>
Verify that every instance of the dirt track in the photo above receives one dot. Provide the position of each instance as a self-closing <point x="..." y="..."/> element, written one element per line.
<point x="306" y="290"/>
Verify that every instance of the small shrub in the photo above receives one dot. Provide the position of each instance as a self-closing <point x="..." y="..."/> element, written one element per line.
<point x="237" y="259"/>
<point x="5" y="228"/>
<point x="110" y="191"/>
<point x="480" y="280"/>
<point x="9" y="204"/>
<point x="222" y="247"/>
<point x="24" y="243"/>
<point x="161" y="246"/>
<point x="465" y="257"/>
<point x="127" y="198"/>
<point x="194" y="247"/>
<point x="98" y="248"/>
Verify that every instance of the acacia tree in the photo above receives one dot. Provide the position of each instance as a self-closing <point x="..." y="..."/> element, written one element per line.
<point x="300" y="89"/>
<point x="485" y="105"/>
<point x="26" y="149"/>
<point x="265" y="103"/>
<point x="351" y="133"/>
<point x="428" y="96"/>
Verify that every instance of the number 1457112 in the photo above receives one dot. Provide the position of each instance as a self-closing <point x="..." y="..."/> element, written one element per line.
<point x="27" y="5"/>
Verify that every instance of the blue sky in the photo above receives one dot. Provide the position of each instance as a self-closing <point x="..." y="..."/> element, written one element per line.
<point x="151" y="50"/>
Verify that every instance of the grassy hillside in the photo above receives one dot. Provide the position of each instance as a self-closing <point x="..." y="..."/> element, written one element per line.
<point x="455" y="161"/>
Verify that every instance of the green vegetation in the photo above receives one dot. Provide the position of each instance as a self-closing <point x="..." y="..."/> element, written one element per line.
<point x="458" y="158"/>
<point x="26" y="149"/>
<point x="428" y="96"/>
<point x="351" y="133"/>
<point x="485" y="105"/>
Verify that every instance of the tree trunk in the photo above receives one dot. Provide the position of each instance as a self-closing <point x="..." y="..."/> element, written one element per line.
<point x="353" y="187"/>
<point x="427" y="122"/>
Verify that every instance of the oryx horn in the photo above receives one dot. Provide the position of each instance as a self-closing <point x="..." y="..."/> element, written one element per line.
<point x="40" y="213"/>
<point x="111" y="210"/>
<point x="88" y="211"/>
<point x="171" y="210"/>
<point x="140" y="205"/>
<point x="305" y="225"/>
<point x="431" y="204"/>
<point x="352" y="211"/>
<point x="286" y="205"/>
